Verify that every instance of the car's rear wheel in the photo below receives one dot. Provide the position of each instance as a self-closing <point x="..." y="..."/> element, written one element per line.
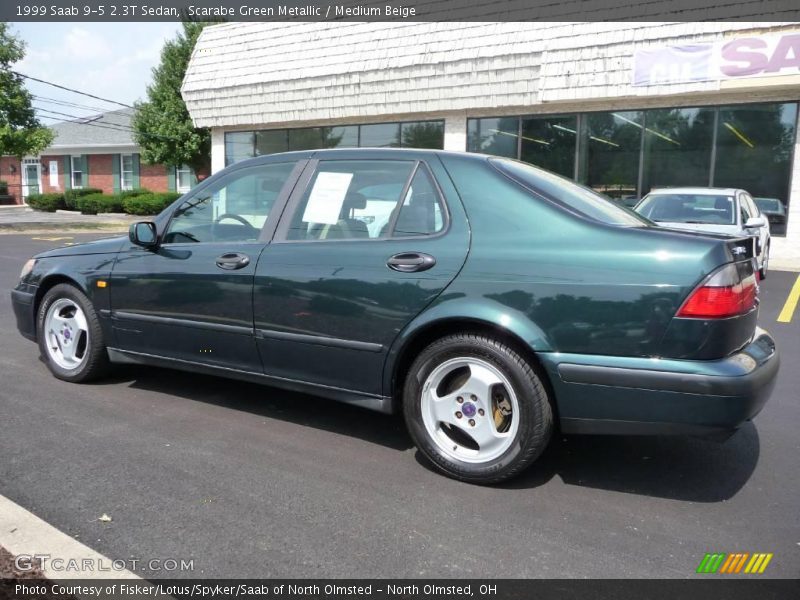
<point x="70" y="336"/>
<point x="476" y="408"/>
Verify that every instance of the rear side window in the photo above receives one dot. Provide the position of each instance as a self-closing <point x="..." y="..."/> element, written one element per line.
<point x="567" y="193"/>
<point x="367" y="199"/>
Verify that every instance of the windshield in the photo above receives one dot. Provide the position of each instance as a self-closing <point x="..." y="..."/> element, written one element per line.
<point x="707" y="209"/>
<point x="569" y="194"/>
<point x="770" y="205"/>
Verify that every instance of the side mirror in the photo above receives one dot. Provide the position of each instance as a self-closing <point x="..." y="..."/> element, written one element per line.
<point x="755" y="222"/>
<point x="143" y="233"/>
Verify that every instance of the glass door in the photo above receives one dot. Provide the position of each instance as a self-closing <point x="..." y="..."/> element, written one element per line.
<point x="31" y="175"/>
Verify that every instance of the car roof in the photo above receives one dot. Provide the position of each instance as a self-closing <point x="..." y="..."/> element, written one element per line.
<point x="697" y="191"/>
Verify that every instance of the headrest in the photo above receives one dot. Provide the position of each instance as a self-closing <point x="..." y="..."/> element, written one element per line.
<point x="271" y="185"/>
<point x="355" y="200"/>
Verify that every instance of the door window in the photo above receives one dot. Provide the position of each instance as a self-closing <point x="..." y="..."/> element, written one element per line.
<point x="234" y="208"/>
<point x="421" y="212"/>
<point x="351" y="200"/>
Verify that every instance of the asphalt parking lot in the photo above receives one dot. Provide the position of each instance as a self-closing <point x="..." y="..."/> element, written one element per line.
<point x="254" y="481"/>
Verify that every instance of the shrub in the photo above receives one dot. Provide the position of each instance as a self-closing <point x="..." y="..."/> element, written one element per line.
<point x="47" y="202"/>
<point x="149" y="204"/>
<point x="71" y="196"/>
<point x="133" y="193"/>
<point x="93" y="204"/>
<point x="3" y="187"/>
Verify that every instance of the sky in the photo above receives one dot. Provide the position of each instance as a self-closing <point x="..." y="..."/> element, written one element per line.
<point x="110" y="60"/>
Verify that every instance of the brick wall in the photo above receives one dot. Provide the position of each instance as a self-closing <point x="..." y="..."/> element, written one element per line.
<point x="153" y="177"/>
<point x="101" y="173"/>
<point x="14" y="180"/>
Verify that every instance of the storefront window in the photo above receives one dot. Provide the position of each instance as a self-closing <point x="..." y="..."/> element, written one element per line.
<point x="381" y="135"/>
<point x="754" y="152"/>
<point x="499" y="137"/>
<point x="549" y="143"/>
<point x="426" y="134"/>
<point x="610" y="145"/>
<point x="340" y="137"/>
<point x="677" y="147"/>
<point x="239" y="146"/>
<point x="271" y="142"/>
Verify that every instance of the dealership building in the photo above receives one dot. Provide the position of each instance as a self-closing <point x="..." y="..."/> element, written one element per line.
<point x="620" y="107"/>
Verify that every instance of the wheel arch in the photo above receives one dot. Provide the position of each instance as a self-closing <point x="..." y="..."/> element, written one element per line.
<point x="47" y="283"/>
<point x="414" y="340"/>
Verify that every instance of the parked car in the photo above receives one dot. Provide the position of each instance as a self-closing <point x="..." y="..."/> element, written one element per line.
<point x="775" y="211"/>
<point x="498" y="304"/>
<point x="715" y="210"/>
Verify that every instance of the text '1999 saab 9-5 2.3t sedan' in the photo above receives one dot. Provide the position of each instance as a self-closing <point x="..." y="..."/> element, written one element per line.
<point x="489" y="301"/>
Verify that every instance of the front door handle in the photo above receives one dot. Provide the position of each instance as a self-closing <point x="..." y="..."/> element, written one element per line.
<point x="231" y="261"/>
<point x="410" y="262"/>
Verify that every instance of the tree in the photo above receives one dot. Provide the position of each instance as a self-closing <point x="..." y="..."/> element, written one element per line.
<point x="162" y="126"/>
<point x="21" y="132"/>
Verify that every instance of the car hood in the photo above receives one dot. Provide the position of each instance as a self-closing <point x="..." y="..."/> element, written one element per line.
<point x="103" y="246"/>
<point x="702" y="227"/>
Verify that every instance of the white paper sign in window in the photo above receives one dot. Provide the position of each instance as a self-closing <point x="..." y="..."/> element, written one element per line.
<point x="53" y="170"/>
<point x="327" y="198"/>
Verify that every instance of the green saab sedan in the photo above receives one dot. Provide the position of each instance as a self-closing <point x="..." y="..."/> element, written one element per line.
<point x="488" y="301"/>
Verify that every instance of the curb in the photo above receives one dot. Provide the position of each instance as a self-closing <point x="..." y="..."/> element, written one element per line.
<point x="23" y="533"/>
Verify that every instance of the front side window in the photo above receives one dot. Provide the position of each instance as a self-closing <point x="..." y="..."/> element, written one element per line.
<point x="368" y="199"/>
<point x="126" y="171"/>
<point x="234" y="208"/>
<point x="77" y="172"/>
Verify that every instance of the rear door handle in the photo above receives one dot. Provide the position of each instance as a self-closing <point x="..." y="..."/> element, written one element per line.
<point x="410" y="262"/>
<point x="230" y="261"/>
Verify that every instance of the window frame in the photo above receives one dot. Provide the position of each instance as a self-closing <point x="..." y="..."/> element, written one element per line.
<point x="270" y="224"/>
<point x="178" y="170"/>
<point x="73" y="170"/>
<point x="302" y="186"/>
<point x="122" y="172"/>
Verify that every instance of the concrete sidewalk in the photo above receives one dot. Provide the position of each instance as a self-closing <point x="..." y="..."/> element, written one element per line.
<point x="19" y="219"/>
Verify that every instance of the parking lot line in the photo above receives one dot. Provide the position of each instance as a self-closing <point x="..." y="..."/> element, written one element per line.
<point x="787" y="312"/>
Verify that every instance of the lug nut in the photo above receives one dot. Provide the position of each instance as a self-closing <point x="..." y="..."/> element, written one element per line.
<point x="480" y="412"/>
<point x="460" y="400"/>
<point x="472" y="422"/>
<point x="458" y="414"/>
<point x="473" y="397"/>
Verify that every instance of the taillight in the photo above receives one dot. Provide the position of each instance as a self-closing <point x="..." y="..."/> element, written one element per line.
<point x="731" y="290"/>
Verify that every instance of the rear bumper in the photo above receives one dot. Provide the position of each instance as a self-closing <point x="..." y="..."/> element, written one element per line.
<point x="23" y="304"/>
<point x="621" y="395"/>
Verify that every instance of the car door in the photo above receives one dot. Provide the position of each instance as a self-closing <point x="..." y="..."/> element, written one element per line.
<point x="364" y="245"/>
<point x="190" y="298"/>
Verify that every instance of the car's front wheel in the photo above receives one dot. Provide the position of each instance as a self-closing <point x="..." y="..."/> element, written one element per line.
<point x="764" y="264"/>
<point x="70" y="336"/>
<point x="477" y="408"/>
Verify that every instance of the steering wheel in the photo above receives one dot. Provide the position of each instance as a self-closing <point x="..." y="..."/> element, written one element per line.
<point x="241" y="219"/>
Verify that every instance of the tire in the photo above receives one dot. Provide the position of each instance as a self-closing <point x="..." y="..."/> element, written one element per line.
<point x="765" y="265"/>
<point x="70" y="337"/>
<point x="459" y="391"/>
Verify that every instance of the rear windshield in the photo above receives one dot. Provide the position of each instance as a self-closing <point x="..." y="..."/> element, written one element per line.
<point x="567" y="193"/>
<point x="706" y="209"/>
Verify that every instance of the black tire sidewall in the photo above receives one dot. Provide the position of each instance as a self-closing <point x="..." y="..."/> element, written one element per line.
<point x="535" y="418"/>
<point x="96" y="359"/>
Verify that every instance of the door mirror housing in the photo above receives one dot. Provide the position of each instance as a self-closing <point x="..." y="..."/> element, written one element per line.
<point x="755" y="222"/>
<point x="143" y="233"/>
